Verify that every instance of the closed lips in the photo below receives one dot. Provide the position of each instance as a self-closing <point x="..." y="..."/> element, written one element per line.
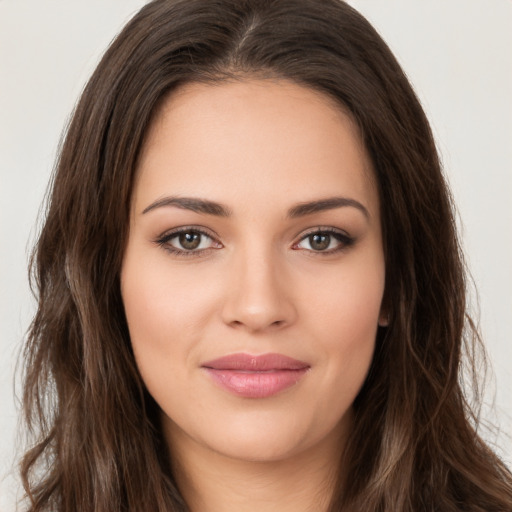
<point x="261" y="376"/>
<point x="256" y="363"/>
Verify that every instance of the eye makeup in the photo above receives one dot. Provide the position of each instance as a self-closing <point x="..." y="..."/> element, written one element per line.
<point x="194" y="241"/>
<point x="324" y="241"/>
<point x="191" y="239"/>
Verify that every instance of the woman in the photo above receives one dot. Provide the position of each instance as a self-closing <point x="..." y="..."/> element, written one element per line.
<point x="251" y="290"/>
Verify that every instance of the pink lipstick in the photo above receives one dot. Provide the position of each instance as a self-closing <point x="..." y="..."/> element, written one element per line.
<point x="256" y="376"/>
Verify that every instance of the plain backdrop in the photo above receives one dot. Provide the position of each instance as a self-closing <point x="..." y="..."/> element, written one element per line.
<point x="457" y="53"/>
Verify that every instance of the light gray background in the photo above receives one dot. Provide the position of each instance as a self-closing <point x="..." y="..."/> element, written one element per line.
<point x="457" y="54"/>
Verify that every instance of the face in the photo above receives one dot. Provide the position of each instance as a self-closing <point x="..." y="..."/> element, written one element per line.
<point x="254" y="271"/>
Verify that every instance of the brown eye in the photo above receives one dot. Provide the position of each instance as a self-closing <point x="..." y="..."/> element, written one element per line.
<point x="327" y="242"/>
<point x="190" y="240"/>
<point x="319" y="241"/>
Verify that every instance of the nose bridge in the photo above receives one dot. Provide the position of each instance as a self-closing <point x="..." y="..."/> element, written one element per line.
<point x="258" y="296"/>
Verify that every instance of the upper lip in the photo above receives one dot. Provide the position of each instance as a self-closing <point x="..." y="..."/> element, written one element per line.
<point x="255" y="363"/>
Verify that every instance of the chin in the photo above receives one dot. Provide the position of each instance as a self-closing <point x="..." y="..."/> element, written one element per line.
<point x="258" y="447"/>
<point x="264" y="436"/>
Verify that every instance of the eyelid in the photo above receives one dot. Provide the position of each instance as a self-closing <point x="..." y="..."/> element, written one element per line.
<point x="345" y="240"/>
<point x="321" y="229"/>
<point x="163" y="239"/>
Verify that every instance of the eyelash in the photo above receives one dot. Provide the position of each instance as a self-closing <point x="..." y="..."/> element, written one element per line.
<point x="345" y="241"/>
<point x="163" y="241"/>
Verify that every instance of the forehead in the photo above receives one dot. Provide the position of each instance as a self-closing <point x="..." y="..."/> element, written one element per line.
<point x="261" y="139"/>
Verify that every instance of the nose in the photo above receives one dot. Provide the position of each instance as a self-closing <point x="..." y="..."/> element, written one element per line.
<point x="258" y="294"/>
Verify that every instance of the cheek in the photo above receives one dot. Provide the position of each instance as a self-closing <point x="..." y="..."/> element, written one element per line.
<point x="348" y="346"/>
<point x="345" y="319"/>
<point x="167" y="312"/>
<point x="346" y="304"/>
<point x="349" y="341"/>
<point x="162" y="302"/>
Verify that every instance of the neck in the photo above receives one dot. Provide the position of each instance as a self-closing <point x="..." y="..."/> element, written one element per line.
<point x="212" y="482"/>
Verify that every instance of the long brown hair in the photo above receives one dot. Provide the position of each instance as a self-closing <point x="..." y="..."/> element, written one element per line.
<point x="98" y="445"/>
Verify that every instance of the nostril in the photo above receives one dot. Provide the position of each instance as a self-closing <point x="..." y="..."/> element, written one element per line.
<point x="253" y="325"/>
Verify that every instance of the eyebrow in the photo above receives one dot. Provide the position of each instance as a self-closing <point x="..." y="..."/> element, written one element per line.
<point x="207" y="207"/>
<point x="321" y="205"/>
<point x="193" y="204"/>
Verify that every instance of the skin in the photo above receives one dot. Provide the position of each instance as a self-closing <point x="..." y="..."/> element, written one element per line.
<point x="256" y="285"/>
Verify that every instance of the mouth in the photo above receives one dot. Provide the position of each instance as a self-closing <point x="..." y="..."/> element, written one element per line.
<point x="256" y="376"/>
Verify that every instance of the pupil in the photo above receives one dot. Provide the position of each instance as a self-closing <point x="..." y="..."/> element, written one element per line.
<point x="190" y="240"/>
<point x="319" y="242"/>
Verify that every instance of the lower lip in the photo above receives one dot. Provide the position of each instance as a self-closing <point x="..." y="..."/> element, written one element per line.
<point x="256" y="384"/>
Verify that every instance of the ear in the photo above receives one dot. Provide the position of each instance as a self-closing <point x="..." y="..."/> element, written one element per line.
<point x="383" y="318"/>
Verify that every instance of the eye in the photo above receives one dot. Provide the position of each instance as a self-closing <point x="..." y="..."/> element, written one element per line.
<point x="324" y="241"/>
<point x="187" y="241"/>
